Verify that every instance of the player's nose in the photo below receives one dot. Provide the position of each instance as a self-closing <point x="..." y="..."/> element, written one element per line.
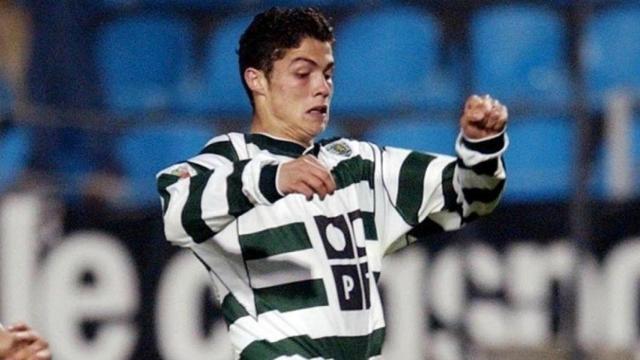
<point x="323" y="87"/>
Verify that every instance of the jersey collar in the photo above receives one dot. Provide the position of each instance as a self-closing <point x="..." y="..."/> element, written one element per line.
<point x="280" y="146"/>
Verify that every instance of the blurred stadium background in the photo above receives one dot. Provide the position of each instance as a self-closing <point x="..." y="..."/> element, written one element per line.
<point x="96" y="96"/>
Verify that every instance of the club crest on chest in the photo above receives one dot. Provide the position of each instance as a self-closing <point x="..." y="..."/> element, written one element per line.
<point x="340" y="148"/>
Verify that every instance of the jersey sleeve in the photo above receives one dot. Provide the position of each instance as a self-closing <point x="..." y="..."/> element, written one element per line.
<point x="428" y="193"/>
<point x="204" y="194"/>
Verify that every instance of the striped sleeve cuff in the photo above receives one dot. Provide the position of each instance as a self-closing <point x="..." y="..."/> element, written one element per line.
<point x="268" y="181"/>
<point x="473" y="152"/>
<point x="489" y="145"/>
<point x="259" y="180"/>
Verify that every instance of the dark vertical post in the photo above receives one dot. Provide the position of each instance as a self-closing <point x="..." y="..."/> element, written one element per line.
<point x="580" y="205"/>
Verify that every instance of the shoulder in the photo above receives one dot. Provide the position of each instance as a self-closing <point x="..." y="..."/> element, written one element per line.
<point x="225" y="145"/>
<point x="222" y="150"/>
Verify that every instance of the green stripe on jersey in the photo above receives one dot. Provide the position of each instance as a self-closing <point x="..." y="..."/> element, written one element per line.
<point x="289" y="297"/>
<point x="192" y="221"/>
<point x="275" y="146"/>
<point x="352" y="171"/>
<point x="232" y="310"/>
<point x="411" y="185"/>
<point x="369" y="222"/>
<point x="331" y="347"/>
<point x="164" y="181"/>
<point x="450" y="196"/>
<point x="376" y="276"/>
<point x="222" y="148"/>
<point x="425" y="228"/>
<point x="238" y="202"/>
<point x="483" y="195"/>
<point x="274" y="241"/>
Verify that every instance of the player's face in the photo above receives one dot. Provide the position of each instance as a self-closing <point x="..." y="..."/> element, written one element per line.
<point x="300" y="89"/>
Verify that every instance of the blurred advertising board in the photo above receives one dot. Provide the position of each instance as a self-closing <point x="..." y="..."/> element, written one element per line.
<point x="107" y="286"/>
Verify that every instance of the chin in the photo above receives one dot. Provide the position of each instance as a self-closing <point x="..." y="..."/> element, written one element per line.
<point x="317" y="126"/>
<point x="315" y="132"/>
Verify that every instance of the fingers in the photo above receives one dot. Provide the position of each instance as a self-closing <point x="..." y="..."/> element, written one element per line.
<point x="316" y="177"/>
<point x="38" y="350"/>
<point x="304" y="189"/>
<point x="19" y="326"/>
<point x="496" y="117"/>
<point x="327" y="183"/>
<point x="307" y="176"/>
<point x="25" y="335"/>
<point x="476" y="107"/>
<point x="42" y="355"/>
<point x="22" y="332"/>
<point x="483" y="116"/>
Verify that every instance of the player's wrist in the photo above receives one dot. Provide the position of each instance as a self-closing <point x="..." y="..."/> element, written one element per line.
<point x="486" y="145"/>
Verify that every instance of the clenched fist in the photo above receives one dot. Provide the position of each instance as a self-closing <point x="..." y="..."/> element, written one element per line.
<point x="306" y="175"/>
<point x="483" y="117"/>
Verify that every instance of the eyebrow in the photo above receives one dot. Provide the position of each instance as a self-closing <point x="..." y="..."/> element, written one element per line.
<point x="305" y="59"/>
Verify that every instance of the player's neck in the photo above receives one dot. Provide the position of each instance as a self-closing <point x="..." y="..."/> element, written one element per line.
<point x="271" y="127"/>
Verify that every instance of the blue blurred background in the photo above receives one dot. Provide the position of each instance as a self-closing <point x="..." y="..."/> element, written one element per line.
<point x="100" y="87"/>
<point x="97" y="96"/>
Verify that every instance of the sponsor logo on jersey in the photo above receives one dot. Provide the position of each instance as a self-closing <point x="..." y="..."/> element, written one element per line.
<point x="348" y="261"/>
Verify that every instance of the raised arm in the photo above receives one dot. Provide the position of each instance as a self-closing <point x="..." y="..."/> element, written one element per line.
<point x="480" y="167"/>
<point x="428" y="193"/>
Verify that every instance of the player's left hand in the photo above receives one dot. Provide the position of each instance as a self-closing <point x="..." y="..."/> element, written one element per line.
<point x="483" y="117"/>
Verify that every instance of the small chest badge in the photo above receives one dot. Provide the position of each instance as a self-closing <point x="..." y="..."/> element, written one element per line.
<point x="181" y="172"/>
<point x="339" y="148"/>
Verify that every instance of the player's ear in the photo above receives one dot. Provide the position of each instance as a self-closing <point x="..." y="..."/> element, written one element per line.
<point x="255" y="80"/>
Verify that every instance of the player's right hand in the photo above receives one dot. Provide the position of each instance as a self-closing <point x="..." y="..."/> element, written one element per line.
<point x="307" y="176"/>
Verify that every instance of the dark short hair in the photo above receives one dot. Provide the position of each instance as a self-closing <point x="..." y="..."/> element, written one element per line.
<point x="276" y="30"/>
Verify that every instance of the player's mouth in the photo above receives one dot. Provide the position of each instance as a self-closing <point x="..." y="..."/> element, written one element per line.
<point x="318" y="111"/>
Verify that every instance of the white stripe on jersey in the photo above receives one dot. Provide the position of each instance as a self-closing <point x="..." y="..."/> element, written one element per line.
<point x="317" y="322"/>
<point x="285" y="268"/>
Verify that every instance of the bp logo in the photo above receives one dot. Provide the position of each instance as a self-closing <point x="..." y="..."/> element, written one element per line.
<point x="339" y="148"/>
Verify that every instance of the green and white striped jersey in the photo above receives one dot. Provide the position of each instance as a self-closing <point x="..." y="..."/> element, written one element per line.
<point x="297" y="278"/>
